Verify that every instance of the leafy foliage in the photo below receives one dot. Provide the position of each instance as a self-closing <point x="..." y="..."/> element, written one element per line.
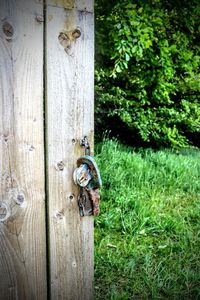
<point x="147" y="69"/>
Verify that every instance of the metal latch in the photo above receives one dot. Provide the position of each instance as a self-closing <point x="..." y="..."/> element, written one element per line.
<point x="87" y="177"/>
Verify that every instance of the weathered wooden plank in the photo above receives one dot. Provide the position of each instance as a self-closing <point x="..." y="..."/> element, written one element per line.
<point x="22" y="200"/>
<point x="83" y="5"/>
<point x="70" y="60"/>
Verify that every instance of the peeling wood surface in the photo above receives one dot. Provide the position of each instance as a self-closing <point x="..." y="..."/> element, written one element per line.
<point x="22" y="200"/>
<point x="82" y="5"/>
<point x="70" y="117"/>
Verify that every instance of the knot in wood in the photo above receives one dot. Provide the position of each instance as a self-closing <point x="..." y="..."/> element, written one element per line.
<point x="76" y="33"/>
<point x="8" y="29"/>
<point x="3" y="212"/>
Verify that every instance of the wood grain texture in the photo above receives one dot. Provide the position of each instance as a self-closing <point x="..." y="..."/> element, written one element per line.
<point x="70" y="75"/>
<point x="22" y="200"/>
<point x="83" y="5"/>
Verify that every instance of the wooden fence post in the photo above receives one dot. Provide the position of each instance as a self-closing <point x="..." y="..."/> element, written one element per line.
<point x="69" y="111"/>
<point x="22" y="197"/>
<point x="69" y="117"/>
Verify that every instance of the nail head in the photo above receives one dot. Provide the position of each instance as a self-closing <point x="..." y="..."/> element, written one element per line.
<point x="20" y="199"/>
<point x="73" y="141"/>
<point x="39" y="18"/>
<point x="71" y="197"/>
<point x="59" y="215"/>
<point x="60" y="166"/>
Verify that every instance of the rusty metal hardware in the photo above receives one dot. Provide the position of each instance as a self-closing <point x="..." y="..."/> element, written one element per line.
<point x="85" y="204"/>
<point x="85" y="144"/>
<point x="87" y="173"/>
<point x="87" y="177"/>
<point x="82" y="175"/>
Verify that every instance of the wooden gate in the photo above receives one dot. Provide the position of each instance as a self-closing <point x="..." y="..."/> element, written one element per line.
<point x="46" y="107"/>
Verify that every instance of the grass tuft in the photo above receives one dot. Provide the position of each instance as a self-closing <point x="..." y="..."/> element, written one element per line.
<point x="147" y="237"/>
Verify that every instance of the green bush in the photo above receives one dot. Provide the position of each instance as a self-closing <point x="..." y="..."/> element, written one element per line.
<point x="147" y="70"/>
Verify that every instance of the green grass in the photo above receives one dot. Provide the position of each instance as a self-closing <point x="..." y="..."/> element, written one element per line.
<point x="147" y="237"/>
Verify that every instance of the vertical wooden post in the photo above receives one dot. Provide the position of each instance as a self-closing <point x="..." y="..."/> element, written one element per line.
<point x="69" y="32"/>
<point x="22" y="200"/>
